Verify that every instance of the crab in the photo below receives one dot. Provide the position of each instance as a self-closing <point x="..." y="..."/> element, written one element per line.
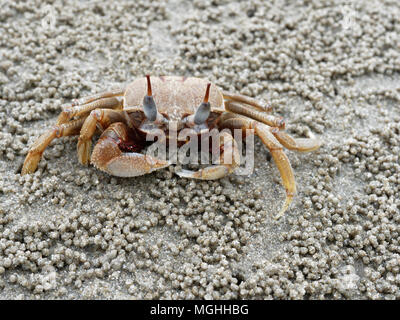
<point x="125" y="116"/>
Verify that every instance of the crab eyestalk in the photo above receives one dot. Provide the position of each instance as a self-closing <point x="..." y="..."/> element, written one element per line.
<point x="149" y="105"/>
<point x="203" y="111"/>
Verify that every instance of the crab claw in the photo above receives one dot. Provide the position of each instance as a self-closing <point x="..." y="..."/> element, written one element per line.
<point x="134" y="164"/>
<point x="108" y="156"/>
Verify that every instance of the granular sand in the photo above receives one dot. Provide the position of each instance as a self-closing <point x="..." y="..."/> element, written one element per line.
<point x="332" y="67"/>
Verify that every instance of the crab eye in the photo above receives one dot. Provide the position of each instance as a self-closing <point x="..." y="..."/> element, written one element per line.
<point x="203" y="111"/>
<point x="149" y="105"/>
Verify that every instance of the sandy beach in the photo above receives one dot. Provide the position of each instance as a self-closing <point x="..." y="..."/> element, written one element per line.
<point x="329" y="67"/>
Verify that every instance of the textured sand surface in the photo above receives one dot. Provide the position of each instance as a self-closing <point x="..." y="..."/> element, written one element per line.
<point x="332" y="67"/>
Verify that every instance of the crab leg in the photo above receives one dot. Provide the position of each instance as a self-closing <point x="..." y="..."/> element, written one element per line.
<point x="229" y="152"/>
<point x="299" y="144"/>
<point x="247" y="100"/>
<point x="101" y="95"/>
<point x="107" y="155"/>
<point x="280" y="158"/>
<point x="35" y="153"/>
<point x="103" y="102"/>
<point x="242" y="109"/>
<point x="104" y="117"/>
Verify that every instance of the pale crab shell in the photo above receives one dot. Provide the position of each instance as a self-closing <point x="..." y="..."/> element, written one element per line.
<point x="174" y="96"/>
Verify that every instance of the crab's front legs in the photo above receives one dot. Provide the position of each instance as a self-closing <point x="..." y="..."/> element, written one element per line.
<point x="107" y="155"/>
<point x="35" y="152"/>
<point x="273" y="139"/>
<point x="229" y="160"/>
